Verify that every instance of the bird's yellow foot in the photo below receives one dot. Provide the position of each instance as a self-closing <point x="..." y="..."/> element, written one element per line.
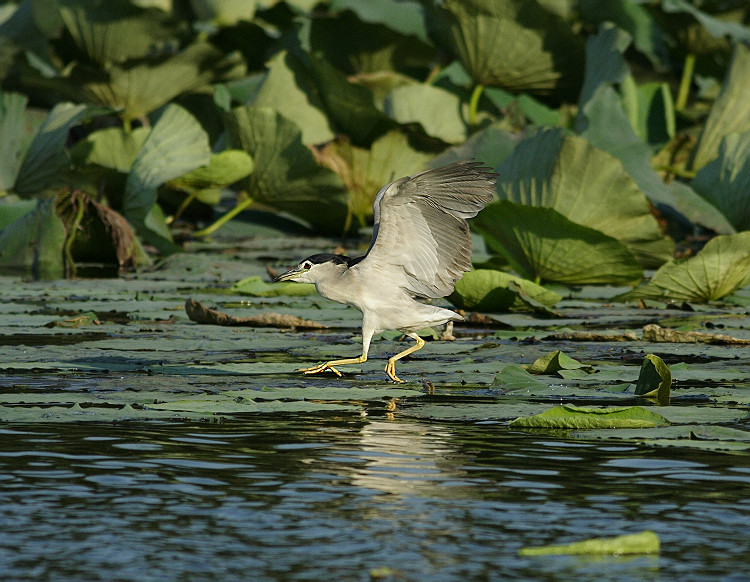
<point x="390" y="369"/>
<point x="320" y="368"/>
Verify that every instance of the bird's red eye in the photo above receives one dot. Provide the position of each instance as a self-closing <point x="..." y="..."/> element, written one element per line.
<point x="307" y="265"/>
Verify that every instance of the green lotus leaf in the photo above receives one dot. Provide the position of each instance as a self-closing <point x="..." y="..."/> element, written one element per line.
<point x="33" y="244"/>
<point x="646" y="542"/>
<point x="654" y="379"/>
<point x="365" y="171"/>
<point x="46" y="154"/>
<point x="115" y="31"/>
<point x="224" y="12"/>
<point x="12" y="128"/>
<point x="520" y="46"/>
<point x="491" y="145"/>
<point x="404" y="17"/>
<point x="513" y="378"/>
<point x="137" y="87"/>
<point x="730" y="112"/>
<point x="543" y="245"/>
<point x="112" y="148"/>
<point x="176" y="145"/>
<point x="587" y="186"/>
<point x="553" y="362"/>
<point x="720" y="268"/>
<point x="286" y="175"/>
<point x="725" y="181"/>
<point x="495" y="291"/>
<point x="439" y="112"/>
<point x="257" y="287"/>
<point x="568" y="416"/>
<point x="351" y="107"/>
<point x="289" y="89"/>
<point x="223" y="169"/>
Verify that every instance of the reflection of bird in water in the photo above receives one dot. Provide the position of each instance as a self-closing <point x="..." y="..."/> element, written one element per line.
<point x="406" y="457"/>
<point x="421" y="245"/>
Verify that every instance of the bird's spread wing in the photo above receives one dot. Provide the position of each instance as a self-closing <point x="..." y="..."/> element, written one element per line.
<point x="421" y="240"/>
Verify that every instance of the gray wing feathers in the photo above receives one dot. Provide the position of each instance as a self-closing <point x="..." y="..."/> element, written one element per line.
<point x="421" y="240"/>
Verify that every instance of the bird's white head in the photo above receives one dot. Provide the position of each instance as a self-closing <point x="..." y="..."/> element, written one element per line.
<point x="316" y="268"/>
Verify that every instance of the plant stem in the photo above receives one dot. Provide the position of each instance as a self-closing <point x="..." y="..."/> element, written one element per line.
<point x="222" y="220"/>
<point x="474" y="104"/>
<point x="687" y="77"/>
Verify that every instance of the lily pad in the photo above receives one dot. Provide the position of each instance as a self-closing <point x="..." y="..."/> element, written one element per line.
<point x="555" y="362"/>
<point x="257" y="287"/>
<point x="568" y="416"/>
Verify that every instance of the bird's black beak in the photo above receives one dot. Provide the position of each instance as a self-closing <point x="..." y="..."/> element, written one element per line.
<point x="288" y="275"/>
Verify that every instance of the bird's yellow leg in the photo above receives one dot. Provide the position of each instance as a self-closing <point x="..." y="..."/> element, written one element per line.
<point x="330" y="365"/>
<point x="390" y="369"/>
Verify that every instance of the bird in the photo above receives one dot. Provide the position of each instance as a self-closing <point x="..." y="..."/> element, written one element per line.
<point x="421" y="246"/>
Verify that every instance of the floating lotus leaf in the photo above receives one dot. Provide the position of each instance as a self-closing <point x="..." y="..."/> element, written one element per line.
<point x="654" y="379"/>
<point x="646" y="542"/>
<point x="543" y="245"/>
<point x="569" y="416"/>
<point x="520" y="46"/>
<point x="587" y="186"/>
<point x="725" y="181"/>
<point x="721" y="267"/>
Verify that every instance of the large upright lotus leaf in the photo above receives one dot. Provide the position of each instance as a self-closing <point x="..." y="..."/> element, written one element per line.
<point x="633" y="18"/>
<point x="46" y="154"/>
<point x="725" y="181"/>
<point x="111" y="147"/>
<point x="224" y="12"/>
<point x="289" y="89"/>
<point x="605" y="64"/>
<point x="403" y="16"/>
<point x="495" y="291"/>
<point x="692" y="205"/>
<point x="365" y="171"/>
<point x="543" y="245"/>
<point x="714" y="26"/>
<point x="176" y="145"/>
<point x="588" y="186"/>
<point x="139" y="86"/>
<point x="351" y="107"/>
<point x="491" y="145"/>
<point x="12" y="131"/>
<point x="439" y="112"/>
<point x="223" y="169"/>
<point x="33" y="244"/>
<point x="286" y="175"/>
<point x="730" y="112"/>
<point x="519" y="45"/>
<point x="720" y="268"/>
<point x="114" y="31"/>
<point x="357" y="46"/>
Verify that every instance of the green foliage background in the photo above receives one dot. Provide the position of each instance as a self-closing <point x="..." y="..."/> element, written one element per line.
<point x="620" y="129"/>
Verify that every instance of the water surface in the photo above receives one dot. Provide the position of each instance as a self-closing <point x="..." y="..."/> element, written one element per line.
<point x="334" y="497"/>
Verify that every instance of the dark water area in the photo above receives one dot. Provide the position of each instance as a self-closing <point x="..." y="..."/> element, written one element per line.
<point x="337" y="497"/>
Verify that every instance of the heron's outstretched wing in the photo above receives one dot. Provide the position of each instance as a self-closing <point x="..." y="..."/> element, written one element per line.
<point x="421" y="240"/>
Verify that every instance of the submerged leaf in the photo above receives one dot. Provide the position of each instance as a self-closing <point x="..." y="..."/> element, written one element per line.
<point x="646" y="542"/>
<point x="568" y="416"/>
<point x="542" y="244"/>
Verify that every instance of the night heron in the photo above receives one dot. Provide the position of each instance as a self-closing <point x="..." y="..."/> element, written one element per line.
<point x="421" y="245"/>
